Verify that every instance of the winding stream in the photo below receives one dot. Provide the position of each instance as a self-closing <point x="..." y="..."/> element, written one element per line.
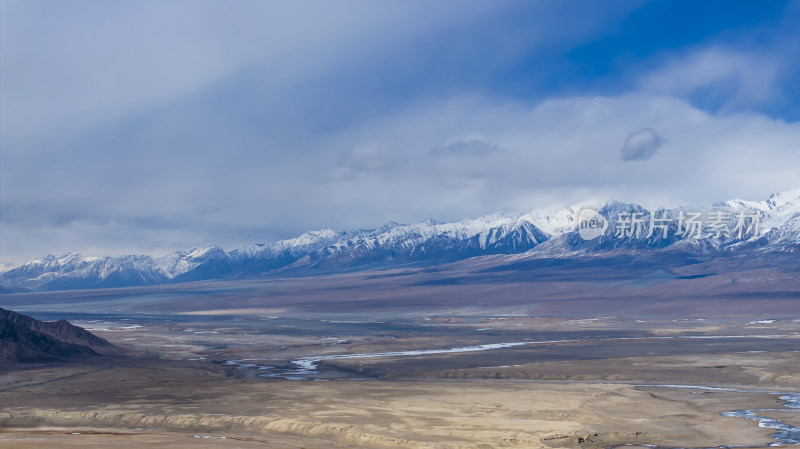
<point x="307" y="366"/>
<point x="785" y="434"/>
<point x="304" y="368"/>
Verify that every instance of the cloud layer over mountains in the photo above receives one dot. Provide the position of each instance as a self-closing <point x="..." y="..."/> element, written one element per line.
<point x="143" y="127"/>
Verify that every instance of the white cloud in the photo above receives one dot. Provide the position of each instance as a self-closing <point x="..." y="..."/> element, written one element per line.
<point x="555" y="152"/>
<point x="466" y="148"/>
<point x="573" y="145"/>
<point x="69" y="68"/>
<point x="147" y="126"/>
<point x="363" y="159"/>
<point x="732" y="79"/>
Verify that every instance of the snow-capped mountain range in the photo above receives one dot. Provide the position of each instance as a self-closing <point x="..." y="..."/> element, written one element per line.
<point x="537" y="234"/>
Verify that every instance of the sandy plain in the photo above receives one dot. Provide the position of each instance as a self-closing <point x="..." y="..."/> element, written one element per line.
<point x="143" y="397"/>
<point x="136" y="403"/>
<point x="208" y="364"/>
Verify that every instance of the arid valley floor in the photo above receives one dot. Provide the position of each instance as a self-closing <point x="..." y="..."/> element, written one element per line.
<point x="305" y="363"/>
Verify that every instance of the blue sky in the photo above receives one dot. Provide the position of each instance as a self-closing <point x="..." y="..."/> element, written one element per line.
<point x="149" y="126"/>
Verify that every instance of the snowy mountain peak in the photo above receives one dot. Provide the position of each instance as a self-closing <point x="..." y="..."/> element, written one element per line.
<point x="785" y="197"/>
<point x="543" y="233"/>
<point x="181" y="262"/>
<point x="389" y="225"/>
<point x="203" y="251"/>
<point x="69" y="259"/>
<point x="311" y="237"/>
<point x="775" y="211"/>
<point x="554" y="222"/>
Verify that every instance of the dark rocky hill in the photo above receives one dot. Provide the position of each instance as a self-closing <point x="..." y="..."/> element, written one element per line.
<point x="25" y="339"/>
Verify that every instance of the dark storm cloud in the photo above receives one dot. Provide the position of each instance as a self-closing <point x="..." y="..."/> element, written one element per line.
<point x="641" y="145"/>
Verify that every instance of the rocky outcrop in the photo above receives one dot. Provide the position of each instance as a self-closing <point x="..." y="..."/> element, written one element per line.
<point x="61" y="330"/>
<point x="25" y="339"/>
<point x="20" y="344"/>
<point x="599" y="440"/>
